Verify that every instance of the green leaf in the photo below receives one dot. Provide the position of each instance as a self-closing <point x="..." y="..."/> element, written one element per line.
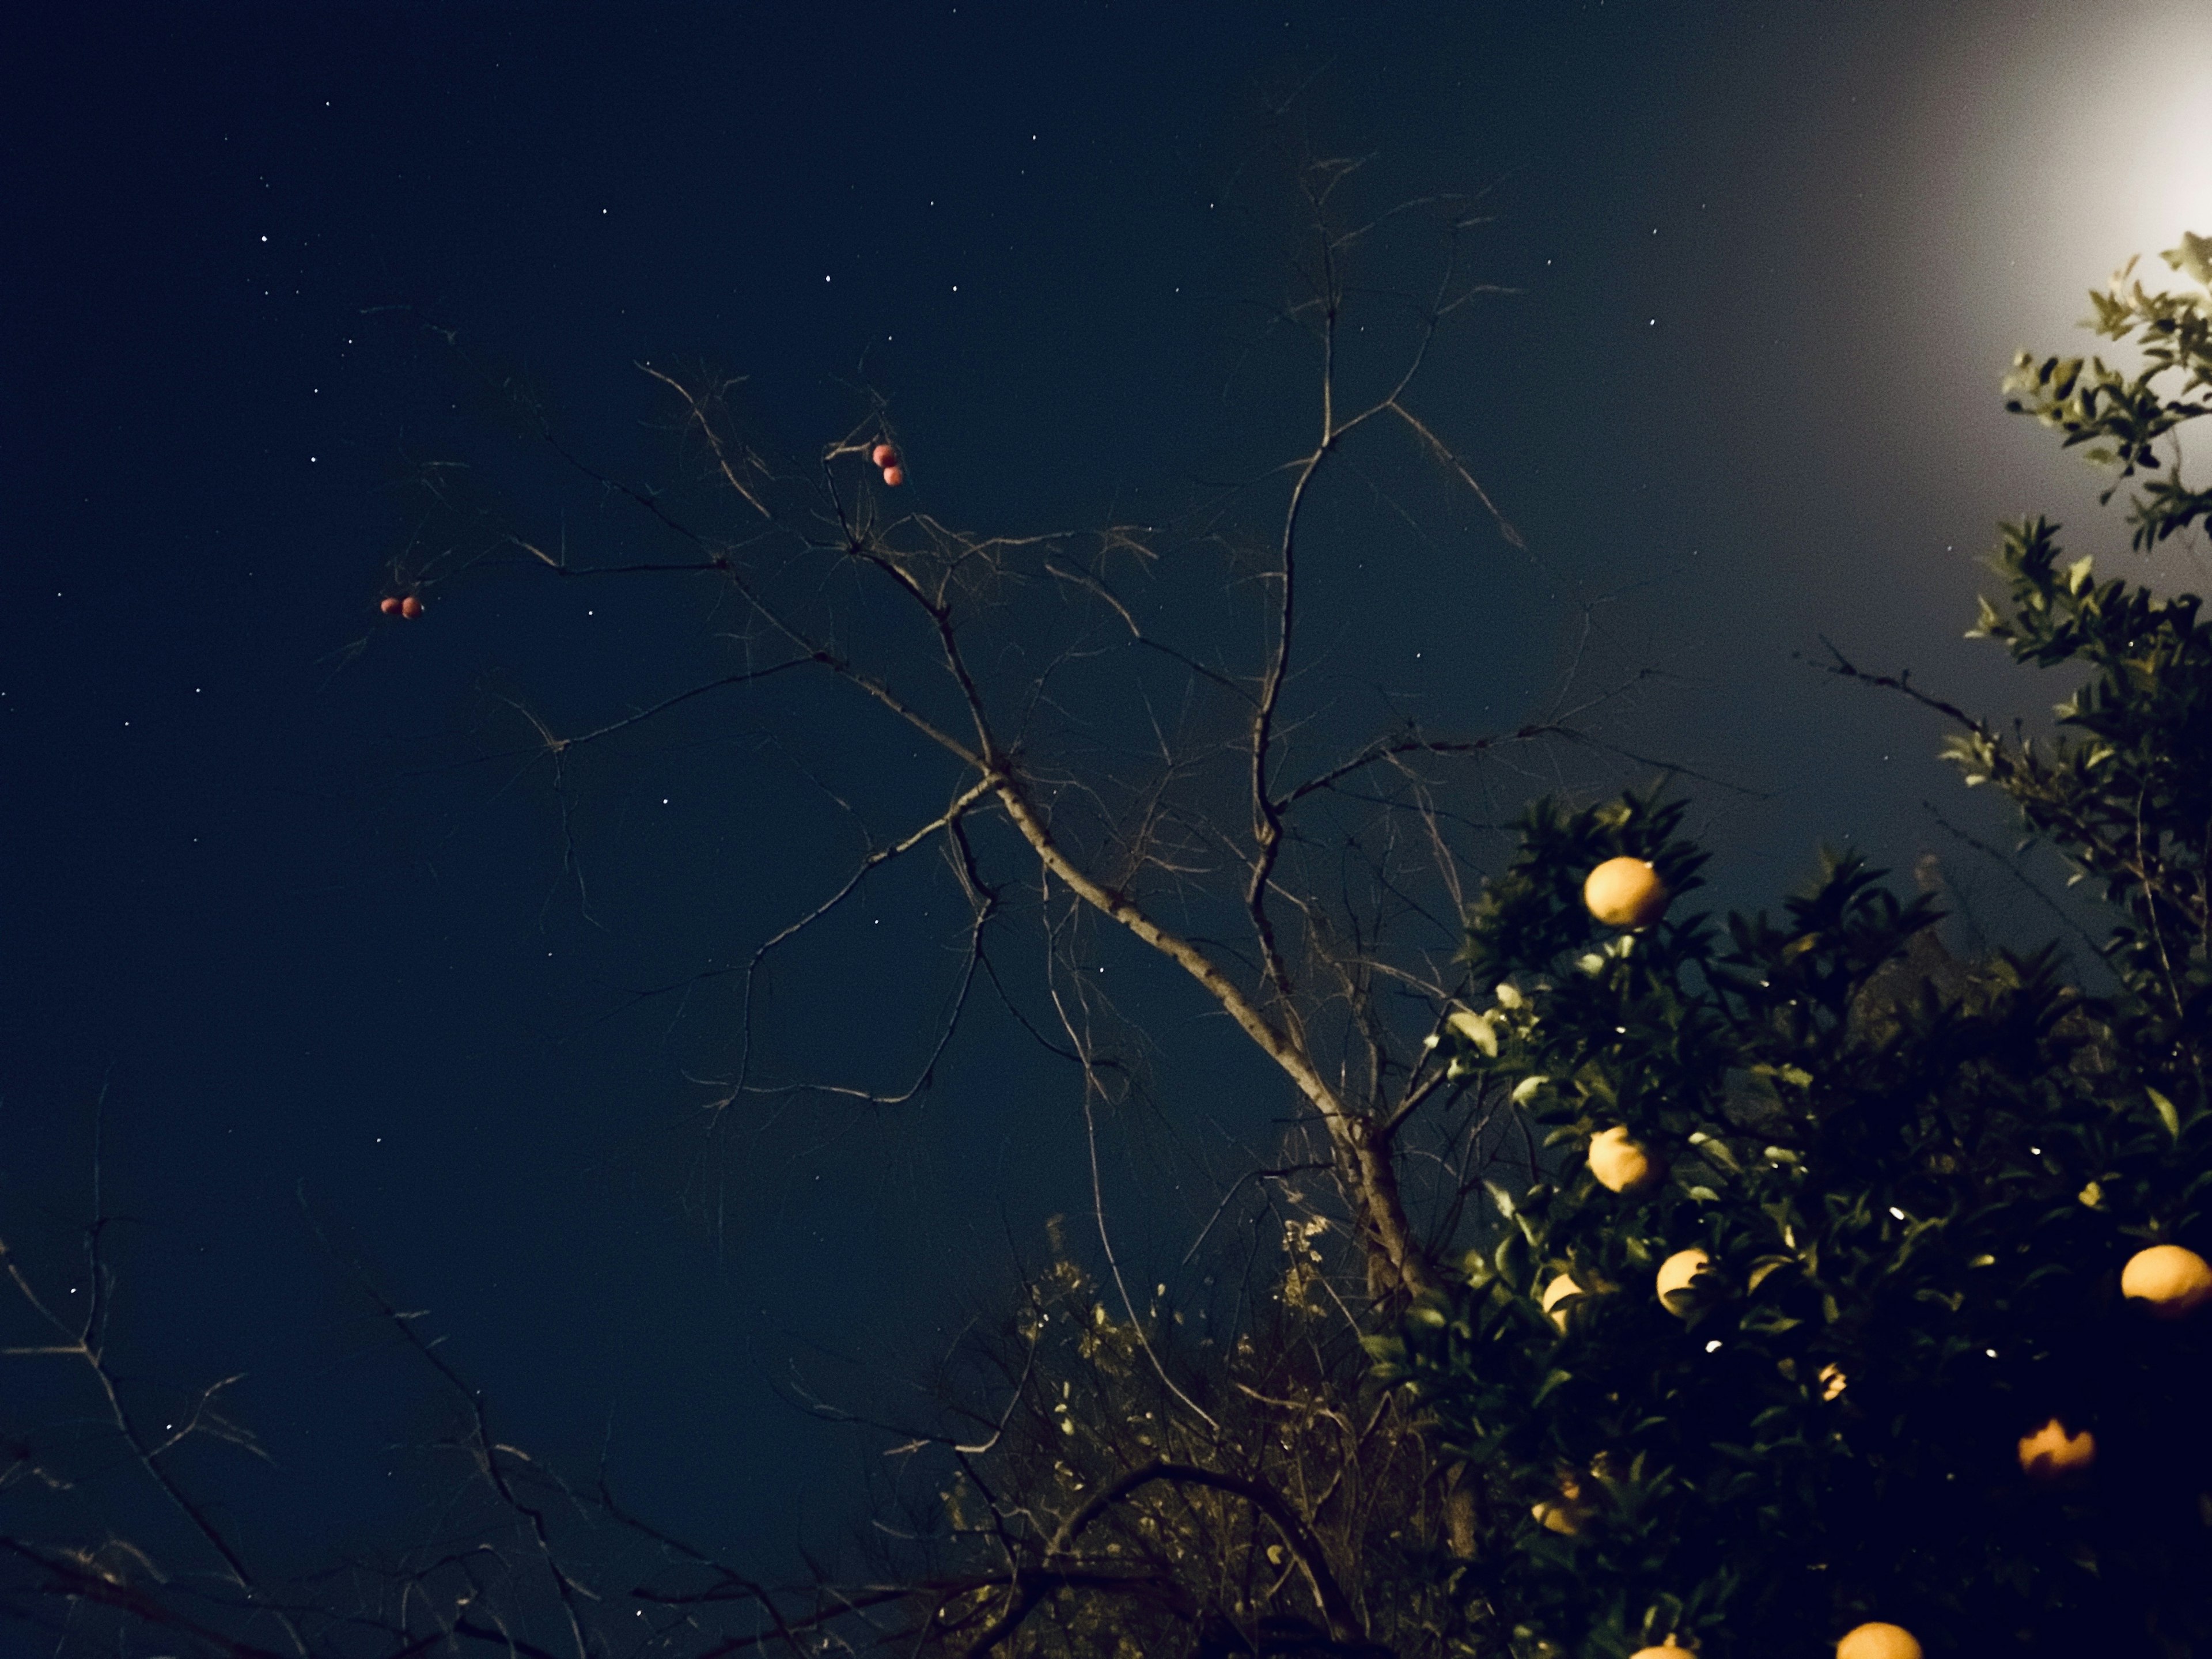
<point x="2193" y="258"/>
<point x="1760" y="1273"/>
<point x="2166" y="1113"/>
<point x="1765" y="1321"/>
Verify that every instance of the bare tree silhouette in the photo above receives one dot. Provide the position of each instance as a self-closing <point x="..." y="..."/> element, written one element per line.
<point x="1132" y="741"/>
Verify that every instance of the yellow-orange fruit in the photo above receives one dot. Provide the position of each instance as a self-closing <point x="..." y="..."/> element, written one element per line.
<point x="2051" y="1454"/>
<point x="1669" y="1648"/>
<point x="2175" y="1282"/>
<point x="1558" y="1518"/>
<point x="1676" y="1272"/>
<point x="1878" y="1641"/>
<point x="1620" y="1163"/>
<point x="1556" y="1292"/>
<point x="1625" y="892"/>
<point x="1566" y="1516"/>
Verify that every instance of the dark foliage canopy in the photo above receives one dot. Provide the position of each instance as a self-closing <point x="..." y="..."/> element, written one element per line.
<point x="1916" y="1182"/>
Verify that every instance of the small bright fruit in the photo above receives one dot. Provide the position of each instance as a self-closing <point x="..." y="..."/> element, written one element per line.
<point x="1625" y="892"/>
<point x="2051" y="1454"/>
<point x="1669" y="1648"/>
<point x="894" y="476"/>
<point x="1557" y="1518"/>
<point x="388" y="606"/>
<point x="883" y="455"/>
<point x="411" y="607"/>
<point x="1676" y="1272"/>
<point x="2173" y="1281"/>
<point x="1619" y="1164"/>
<point x="1833" y="1380"/>
<point x="1556" y="1292"/>
<point x="1878" y="1641"/>
<point x="1566" y="1516"/>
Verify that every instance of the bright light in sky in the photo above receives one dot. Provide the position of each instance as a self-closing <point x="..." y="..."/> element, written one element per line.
<point x="2120" y="165"/>
<point x="2097" y="145"/>
<point x="2146" y="174"/>
<point x="2035" y="150"/>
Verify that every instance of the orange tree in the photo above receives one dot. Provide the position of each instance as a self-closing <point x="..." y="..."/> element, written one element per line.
<point x="1938" y="1228"/>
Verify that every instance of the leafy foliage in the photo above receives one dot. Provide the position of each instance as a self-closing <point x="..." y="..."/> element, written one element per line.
<point x="1099" y="1514"/>
<point x="1916" y="1182"/>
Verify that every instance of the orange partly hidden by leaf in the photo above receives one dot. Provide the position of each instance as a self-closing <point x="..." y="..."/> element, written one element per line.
<point x="1621" y="1164"/>
<point x="2172" y="1281"/>
<point x="1676" y="1272"/>
<point x="2051" y="1454"/>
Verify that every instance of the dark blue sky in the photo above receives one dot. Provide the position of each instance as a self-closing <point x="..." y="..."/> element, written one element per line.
<point x="304" y="906"/>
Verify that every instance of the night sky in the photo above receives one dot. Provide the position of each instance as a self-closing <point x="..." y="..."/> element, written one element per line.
<point x="287" y="882"/>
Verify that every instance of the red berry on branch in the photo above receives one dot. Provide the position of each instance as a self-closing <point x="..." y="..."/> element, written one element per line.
<point x="883" y="455"/>
<point x="411" y="607"/>
<point x="389" y="605"/>
<point x="894" y="476"/>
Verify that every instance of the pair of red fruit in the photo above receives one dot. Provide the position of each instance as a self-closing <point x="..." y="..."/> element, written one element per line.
<point x="411" y="607"/>
<point x="888" y="459"/>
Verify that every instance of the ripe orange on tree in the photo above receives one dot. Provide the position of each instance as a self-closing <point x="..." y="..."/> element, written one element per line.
<point x="1620" y="1163"/>
<point x="1878" y="1641"/>
<point x="1677" y="1271"/>
<point x="1557" y="1292"/>
<point x="1625" y="892"/>
<point x="2050" y="1455"/>
<point x="2174" y="1282"/>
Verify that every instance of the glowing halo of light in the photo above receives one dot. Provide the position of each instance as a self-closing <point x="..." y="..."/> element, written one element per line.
<point x="2038" y="148"/>
<point x="2103" y="151"/>
<point x="2095" y="142"/>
